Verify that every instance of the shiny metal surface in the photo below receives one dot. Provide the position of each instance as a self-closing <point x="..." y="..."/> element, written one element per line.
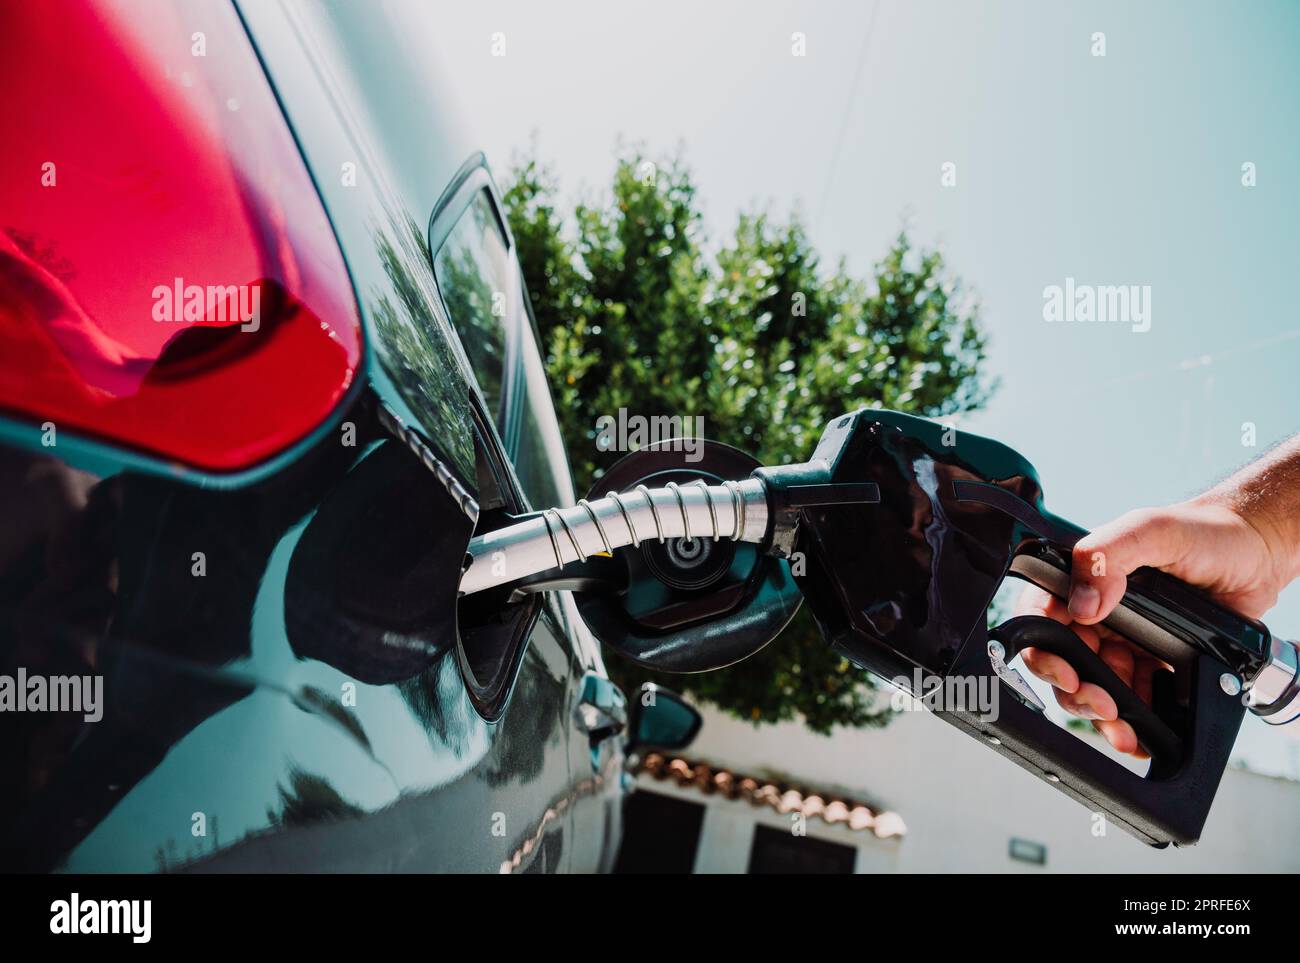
<point x="559" y="536"/>
<point x="1274" y="693"/>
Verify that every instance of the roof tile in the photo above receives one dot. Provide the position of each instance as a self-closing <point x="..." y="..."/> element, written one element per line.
<point x="831" y="809"/>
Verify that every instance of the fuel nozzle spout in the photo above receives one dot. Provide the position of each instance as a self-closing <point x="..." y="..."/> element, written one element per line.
<point x="762" y="510"/>
<point x="734" y="510"/>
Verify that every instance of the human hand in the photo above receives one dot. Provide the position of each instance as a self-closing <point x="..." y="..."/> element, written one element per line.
<point x="1206" y="542"/>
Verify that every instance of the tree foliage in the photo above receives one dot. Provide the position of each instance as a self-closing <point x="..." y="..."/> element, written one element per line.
<point x="637" y="310"/>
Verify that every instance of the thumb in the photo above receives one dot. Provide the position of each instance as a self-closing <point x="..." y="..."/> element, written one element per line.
<point x="1103" y="559"/>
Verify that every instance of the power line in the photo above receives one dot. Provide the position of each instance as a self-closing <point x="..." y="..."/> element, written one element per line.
<point x="848" y="110"/>
<point x="1205" y="360"/>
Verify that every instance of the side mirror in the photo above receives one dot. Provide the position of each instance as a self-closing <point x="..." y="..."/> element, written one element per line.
<point x="662" y="719"/>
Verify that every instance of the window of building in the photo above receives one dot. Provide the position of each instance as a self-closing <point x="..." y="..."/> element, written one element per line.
<point x="780" y="851"/>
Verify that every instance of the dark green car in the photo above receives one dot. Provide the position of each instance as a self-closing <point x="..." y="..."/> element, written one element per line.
<point x="268" y="362"/>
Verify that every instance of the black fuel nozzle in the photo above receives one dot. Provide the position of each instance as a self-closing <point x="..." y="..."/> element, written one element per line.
<point x="903" y="587"/>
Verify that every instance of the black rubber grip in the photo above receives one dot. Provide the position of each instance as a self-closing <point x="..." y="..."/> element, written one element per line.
<point x="1036" y="631"/>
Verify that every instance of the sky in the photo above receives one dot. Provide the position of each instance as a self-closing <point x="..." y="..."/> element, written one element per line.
<point x="1122" y="169"/>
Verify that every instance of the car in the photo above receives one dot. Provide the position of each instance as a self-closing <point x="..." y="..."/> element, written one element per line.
<point x="268" y="364"/>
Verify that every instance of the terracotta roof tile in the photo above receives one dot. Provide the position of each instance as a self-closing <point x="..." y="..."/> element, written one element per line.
<point x="778" y="796"/>
<point x="861" y="818"/>
<point x="791" y="801"/>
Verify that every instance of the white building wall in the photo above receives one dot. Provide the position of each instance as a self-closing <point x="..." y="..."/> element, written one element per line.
<point x="727" y="832"/>
<point x="963" y="803"/>
<point x="725" y="839"/>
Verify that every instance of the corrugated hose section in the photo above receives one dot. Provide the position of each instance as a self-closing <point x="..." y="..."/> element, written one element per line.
<point x="559" y="536"/>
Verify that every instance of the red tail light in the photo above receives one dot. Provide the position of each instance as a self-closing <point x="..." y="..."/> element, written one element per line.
<point x="168" y="278"/>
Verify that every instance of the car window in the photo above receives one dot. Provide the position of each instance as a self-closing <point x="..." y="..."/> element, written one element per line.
<point x="540" y="460"/>
<point x="474" y="272"/>
<point x="481" y="286"/>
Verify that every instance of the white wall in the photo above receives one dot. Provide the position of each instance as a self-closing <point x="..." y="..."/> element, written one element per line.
<point x="727" y="832"/>
<point x="963" y="803"/>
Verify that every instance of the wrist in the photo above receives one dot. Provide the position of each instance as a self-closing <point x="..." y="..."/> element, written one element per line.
<point x="1283" y="537"/>
<point x="1277" y="535"/>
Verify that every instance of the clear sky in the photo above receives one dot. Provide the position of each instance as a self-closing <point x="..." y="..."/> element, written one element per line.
<point x="1123" y="169"/>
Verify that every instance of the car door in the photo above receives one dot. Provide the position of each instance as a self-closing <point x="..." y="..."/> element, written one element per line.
<point x="595" y="705"/>
<point x="480" y="287"/>
<point x="486" y="299"/>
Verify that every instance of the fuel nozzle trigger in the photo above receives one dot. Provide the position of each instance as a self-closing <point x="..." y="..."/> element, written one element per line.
<point x="1012" y="677"/>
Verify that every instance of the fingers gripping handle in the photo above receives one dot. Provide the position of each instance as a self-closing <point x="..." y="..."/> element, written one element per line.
<point x="1026" y="631"/>
<point x="1175" y="622"/>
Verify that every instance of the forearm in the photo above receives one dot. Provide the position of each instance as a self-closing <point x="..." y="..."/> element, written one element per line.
<point x="1266" y="493"/>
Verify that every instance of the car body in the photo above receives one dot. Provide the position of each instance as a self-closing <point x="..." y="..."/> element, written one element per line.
<point x="280" y="691"/>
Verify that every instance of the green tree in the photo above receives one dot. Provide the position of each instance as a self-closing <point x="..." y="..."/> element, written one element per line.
<point x="637" y="311"/>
